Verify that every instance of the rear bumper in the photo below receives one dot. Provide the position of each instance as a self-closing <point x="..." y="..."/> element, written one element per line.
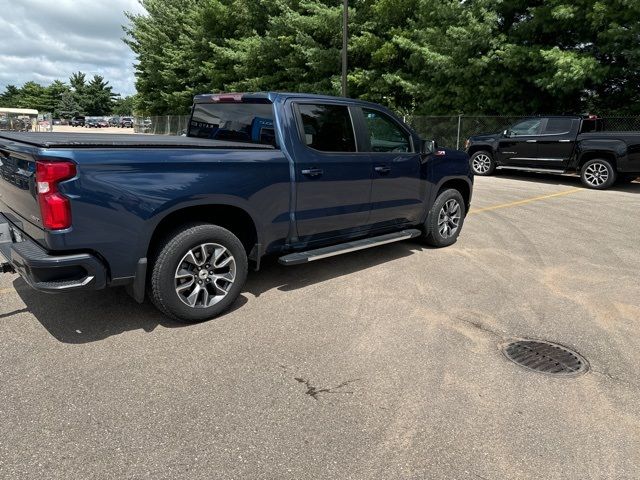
<point x="44" y="272"/>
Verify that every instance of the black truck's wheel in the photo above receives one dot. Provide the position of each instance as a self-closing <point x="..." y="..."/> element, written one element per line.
<point x="198" y="273"/>
<point x="445" y="219"/>
<point x="482" y="163"/>
<point x="598" y="174"/>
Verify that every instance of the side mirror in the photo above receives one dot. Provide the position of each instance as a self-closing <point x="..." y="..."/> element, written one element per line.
<point x="507" y="133"/>
<point x="429" y="146"/>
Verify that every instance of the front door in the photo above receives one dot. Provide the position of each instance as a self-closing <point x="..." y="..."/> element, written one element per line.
<point x="398" y="192"/>
<point x="333" y="174"/>
<point x="519" y="148"/>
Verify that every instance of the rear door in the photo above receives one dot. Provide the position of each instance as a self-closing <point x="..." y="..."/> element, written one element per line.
<point x="333" y="173"/>
<point x="520" y="146"/>
<point x="397" y="195"/>
<point x="557" y="142"/>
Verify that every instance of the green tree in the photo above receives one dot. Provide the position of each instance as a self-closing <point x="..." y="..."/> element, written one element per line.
<point x="98" y="97"/>
<point x="67" y="106"/>
<point x="10" y="98"/>
<point x="33" y="95"/>
<point x="124" y="105"/>
<point x="417" y="56"/>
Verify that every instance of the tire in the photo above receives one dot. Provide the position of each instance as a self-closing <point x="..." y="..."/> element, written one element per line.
<point x="182" y="287"/>
<point x="482" y="163"/>
<point x="445" y="219"/>
<point x="598" y="174"/>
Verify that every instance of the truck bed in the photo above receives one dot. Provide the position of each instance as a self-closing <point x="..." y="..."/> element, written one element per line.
<point x="98" y="140"/>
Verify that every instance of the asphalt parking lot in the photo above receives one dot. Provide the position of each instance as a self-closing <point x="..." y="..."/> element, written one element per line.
<point x="381" y="364"/>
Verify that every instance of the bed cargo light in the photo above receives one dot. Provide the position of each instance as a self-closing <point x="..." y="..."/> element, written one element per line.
<point x="227" y="97"/>
<point x="54" y="207"/>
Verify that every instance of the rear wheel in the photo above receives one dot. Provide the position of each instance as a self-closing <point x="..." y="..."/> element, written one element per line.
<point x="598" y="174"/>
<point x="445" y="219"/>
<point x="198" y="273"/>
<point x="482" y="163"/>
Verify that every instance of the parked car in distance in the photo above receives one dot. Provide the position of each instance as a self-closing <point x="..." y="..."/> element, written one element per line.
<point x="77" y="121"/>
<point x="114" y="122"/>
<point x="303" y="177"/>
<point x="91" y="122"/>
<point x="559" y="144"/>
<point x="126" y="122"/>
<point x="102" y="123"/>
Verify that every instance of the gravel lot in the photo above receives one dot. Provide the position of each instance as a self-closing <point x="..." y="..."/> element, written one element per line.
<point x="382" y="364"/>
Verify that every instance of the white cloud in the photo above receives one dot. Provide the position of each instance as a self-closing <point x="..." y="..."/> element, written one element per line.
<point x="45" y="40"/>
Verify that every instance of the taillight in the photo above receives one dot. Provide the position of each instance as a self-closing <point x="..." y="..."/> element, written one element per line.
<point x="54" y="207"/>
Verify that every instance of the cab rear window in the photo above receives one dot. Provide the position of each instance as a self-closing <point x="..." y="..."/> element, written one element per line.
<point x="235" y="122"/>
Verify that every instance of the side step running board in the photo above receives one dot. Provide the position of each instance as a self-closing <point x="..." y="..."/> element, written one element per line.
<point x="320" y="253"/>
<point x="532" y="169"/>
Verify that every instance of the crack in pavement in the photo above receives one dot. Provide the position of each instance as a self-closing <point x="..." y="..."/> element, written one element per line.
<point x="314" y="391"/>
<point x="482" y="327"/>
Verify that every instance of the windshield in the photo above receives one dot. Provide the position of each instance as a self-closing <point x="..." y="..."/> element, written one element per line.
<point x="237" y="122"/>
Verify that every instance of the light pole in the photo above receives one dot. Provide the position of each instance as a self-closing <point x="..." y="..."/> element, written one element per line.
<point x="345" y="36"/>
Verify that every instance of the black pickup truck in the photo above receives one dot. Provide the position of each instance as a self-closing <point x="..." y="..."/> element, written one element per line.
<point x="559" y="144"/>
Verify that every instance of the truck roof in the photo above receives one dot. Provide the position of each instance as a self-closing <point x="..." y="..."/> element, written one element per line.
<point x="271" y="97"/>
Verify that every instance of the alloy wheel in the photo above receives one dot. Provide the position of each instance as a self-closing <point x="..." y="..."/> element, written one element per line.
<point x="596" y="174"/>
<point x="205" y="275"/>
<point x="481" y="163"/>
<point x="449" y="218"/>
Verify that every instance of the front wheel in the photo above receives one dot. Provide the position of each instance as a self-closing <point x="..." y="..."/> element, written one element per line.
<point x="198" y="273"/>
<point x="482" y="163"/>
<point x="598" y="174"/>
<point x="445" y="219"/>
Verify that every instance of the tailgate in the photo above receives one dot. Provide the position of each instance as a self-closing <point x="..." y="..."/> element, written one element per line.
<point x="17" y="184"/>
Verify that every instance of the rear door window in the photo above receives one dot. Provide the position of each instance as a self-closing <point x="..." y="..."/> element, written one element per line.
<point x="556" y="126"/>
<point x="327" y="128"/>
<point x="235" y="122"/>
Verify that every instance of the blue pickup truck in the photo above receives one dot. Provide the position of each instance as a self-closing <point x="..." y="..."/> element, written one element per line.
<point x="180" y="218"/>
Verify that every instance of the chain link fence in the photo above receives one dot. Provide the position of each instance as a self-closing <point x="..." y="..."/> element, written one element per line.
<point x="452" y="131"/>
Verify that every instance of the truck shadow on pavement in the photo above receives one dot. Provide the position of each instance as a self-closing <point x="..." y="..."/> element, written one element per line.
<point x="566" y="180"/>
<point x="273" y="275"/>
<point x="84" y="317"/>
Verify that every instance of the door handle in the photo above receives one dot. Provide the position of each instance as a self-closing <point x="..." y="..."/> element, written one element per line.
<point x="312" y="172"/>
<point x="564" y="141"/>
<point x="382" y="169"/>
<point x="532" y="141"/>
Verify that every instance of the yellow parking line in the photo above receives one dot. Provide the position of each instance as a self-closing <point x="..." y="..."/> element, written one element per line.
<point x="526" y="200"/>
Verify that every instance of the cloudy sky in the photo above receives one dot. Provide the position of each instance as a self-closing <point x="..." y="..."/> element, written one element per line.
<point x="45" y="40"/>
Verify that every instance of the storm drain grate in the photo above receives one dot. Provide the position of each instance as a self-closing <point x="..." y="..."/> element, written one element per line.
<point x="545" y="357"/>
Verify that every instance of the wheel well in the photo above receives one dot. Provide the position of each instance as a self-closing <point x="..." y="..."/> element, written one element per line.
<point x="478" y="148"/>
<point x="461" y="186"/>
<point x="600" y="155"/>
<point x="234" y="219"/>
